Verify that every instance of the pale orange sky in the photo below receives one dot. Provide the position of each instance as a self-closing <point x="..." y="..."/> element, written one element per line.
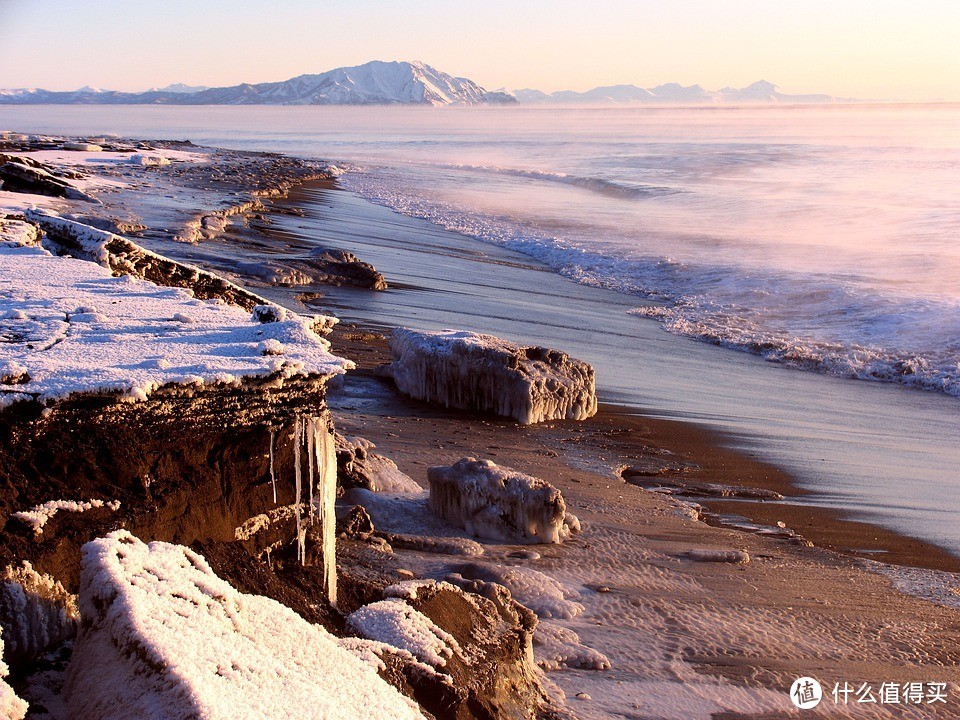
<point x="847" y="48"/>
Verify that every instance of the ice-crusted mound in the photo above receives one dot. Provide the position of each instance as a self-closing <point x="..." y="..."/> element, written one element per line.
<point x="163" y="637"/>
<point x="470" y="371"/>
<point x="500" y="503"/>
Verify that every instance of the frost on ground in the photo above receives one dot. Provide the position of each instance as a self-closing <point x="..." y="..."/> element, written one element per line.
<point x="163" y="636"/>
<point x="500" y="503"/>
<point x="481" y="372"/>
<point x="395" y="623"/>
<point x="37" y="517"/>
<point x="69" y="326"/>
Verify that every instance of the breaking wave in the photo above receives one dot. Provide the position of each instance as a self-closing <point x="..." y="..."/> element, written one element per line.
<point x="832" y="324"/>
<point x="610" y="188"/>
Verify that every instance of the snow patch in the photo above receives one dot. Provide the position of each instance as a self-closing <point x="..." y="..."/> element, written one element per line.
<point x="163" y="636"/>
<point x="395" y="623"/>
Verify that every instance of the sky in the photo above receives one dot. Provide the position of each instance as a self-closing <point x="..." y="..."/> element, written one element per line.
<point x="877" y="49"/>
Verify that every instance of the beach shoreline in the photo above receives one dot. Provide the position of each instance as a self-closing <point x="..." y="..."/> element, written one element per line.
<point x="656" y="613"/>
<point x="703" y="448"/>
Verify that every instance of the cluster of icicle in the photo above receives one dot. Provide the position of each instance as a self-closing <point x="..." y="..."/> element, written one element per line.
<point x="481" y="372"/>
<point x="499" y="503"/>
<point x="312" y="437"/>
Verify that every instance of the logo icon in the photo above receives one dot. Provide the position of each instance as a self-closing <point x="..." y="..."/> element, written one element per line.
<point x="806" y="693"/>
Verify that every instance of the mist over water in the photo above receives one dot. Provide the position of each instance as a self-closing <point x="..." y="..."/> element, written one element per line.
<point x="824" y="238"/>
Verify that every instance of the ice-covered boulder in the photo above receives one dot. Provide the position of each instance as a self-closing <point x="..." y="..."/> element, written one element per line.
<point x="163" y="637"/>
<point x="499" y="503"/>
<point x="481" y="372"/>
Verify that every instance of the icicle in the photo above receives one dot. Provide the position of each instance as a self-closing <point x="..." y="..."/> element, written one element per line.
<point x="327" y="462"/>
<point x="301" y="531"/>
<point x="311" y="432"/>
<point x="273" y="476"/>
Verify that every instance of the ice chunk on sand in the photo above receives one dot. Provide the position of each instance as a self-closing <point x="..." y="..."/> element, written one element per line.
<point x="11" y="706"/>
<point x="737" y="557"/>
<point x="149" y="160"/>
<point x="481" y="372"/>
<point x="499" y="503"/>
<point x="395" y="623"/>
<point x="163" y="636"/>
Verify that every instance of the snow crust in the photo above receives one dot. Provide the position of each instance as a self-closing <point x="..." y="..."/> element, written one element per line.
<point x="395" y="623"/>
<point x="72" y="327"/>
<point x="468" y="370"/>
<point x="499" y="503"/>
<point x="164" y="637"/>
<point x="37" y="517"/>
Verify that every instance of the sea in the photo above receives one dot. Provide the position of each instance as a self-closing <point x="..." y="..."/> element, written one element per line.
<point x="804" y="260"/>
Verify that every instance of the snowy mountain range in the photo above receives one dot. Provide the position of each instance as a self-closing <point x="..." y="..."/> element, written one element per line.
<point x="374" y="83"/>
<point x="399" y="83"/>
<point x="670" y="93"/>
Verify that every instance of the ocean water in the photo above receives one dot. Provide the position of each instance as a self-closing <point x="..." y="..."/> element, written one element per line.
<point x="825" y="239"/>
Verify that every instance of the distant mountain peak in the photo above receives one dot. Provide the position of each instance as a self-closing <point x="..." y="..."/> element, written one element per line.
<point x="378" y="82"/>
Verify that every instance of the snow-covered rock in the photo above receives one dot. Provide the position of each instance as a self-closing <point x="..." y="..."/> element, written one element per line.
<point x="72" y="327"/>
<point x="394" y="622"/>
<point x="499" y="503"/>
<point x="467" y="370"/>
<point x="163" y="637"/>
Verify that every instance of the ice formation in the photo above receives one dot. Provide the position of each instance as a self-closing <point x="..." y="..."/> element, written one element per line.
<point x="73" y="328"/>
<point x="499" y="503"/>
<point x="37" y="612"/>
<point x="481" y="372"/>
<point x="40" y="515"/>
<point x="312" y="435"/>
<point x="164" y="637"/>
<point x="395" y="623"/>
<point x="11" y="706"/>
<point x="737" y="557"/>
